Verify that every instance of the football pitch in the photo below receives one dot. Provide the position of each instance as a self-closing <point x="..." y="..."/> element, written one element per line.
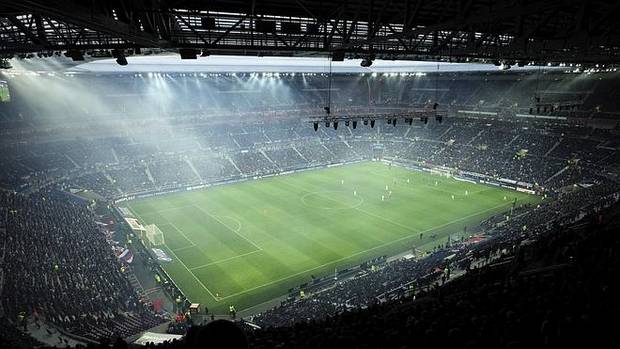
<point x="249" y="242"/>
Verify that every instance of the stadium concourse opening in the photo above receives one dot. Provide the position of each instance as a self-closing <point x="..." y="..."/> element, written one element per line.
<point x="385" y="174"/>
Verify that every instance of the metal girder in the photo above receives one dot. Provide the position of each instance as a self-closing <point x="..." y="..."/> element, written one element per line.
<point x="483" y="17"/>
<point x="550" y="30"/>
<point x="71" y="12"/>
<point x="36" y="37"/>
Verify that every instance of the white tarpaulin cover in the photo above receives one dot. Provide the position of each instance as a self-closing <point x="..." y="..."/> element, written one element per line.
<point x="152" y="337"/>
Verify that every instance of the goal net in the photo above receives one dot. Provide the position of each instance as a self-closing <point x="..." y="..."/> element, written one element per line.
<point x="153" y="235"/>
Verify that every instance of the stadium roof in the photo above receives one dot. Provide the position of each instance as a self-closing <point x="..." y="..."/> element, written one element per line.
<point x="579" y="31"/>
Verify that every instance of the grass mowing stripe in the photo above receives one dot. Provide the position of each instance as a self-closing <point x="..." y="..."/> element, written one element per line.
<point x="225" y="260"/>
<point x="215" y="239"/>
<point x="370" y="249"/>
<point x="428" y="186"/>
<point x="416" y="230"/>
<point x="180" y="231"/>
<point x="195" y="277"/>
<point x="306" y="219"/>
<point x="299" y="239"/>
<point x="184" y="248"/>
<point x="176" y="208"/>
<point x="185" y="266"/>
<point x="229" y="228"/>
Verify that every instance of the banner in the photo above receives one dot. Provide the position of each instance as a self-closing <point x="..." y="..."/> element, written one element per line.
<point x="463" y="179"/>
<point x="126" y="256"/>
<point x="161" y="255"/>
<point x="157" y="338"/>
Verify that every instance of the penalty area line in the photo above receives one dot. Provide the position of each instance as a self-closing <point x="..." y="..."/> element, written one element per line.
<point x="181" y="232"/>
<point x="225" y="259"/>
<point x="217" y="299"/>
<point x="229" y="228"/>
<point x="184" y="248"/>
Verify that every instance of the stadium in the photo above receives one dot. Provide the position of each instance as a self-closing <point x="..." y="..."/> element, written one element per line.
<point x="383" y="174"/>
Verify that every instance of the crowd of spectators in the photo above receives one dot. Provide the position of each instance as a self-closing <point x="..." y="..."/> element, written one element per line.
<point x="11" y="337"/>
<point x="212" y="169"/>
<point x="253" y="163"/>
<point x="396" y="277"/>
<point x="61" y="268"/>
<point x="359" y="292"/>
<point x="550" y="285"/>
<point x="553" y="292"/>
<point x="129" y="178"/>
<point x="288" y="158"/>
<point x="547" y="154"/>
<point x="172" y="173"/>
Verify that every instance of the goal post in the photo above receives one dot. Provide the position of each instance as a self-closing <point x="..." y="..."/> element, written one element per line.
<point x="153" y="235"/>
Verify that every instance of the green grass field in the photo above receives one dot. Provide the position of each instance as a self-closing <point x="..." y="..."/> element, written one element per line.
<point x="5" y="96"/>
<point x="249" y="242"/>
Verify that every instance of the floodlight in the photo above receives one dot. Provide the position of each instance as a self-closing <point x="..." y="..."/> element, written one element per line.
<point x="366" y="62"/>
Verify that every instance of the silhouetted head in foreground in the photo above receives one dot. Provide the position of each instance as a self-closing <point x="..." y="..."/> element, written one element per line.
<point x="217" y="334"/>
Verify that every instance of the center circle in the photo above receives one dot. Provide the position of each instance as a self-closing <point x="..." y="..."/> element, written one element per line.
<point x="332" y="199"/>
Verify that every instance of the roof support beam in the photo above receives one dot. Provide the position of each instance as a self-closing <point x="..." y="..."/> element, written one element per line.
<point x="70" y="12"/>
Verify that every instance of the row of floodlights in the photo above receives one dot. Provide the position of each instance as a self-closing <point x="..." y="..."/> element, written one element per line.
<point x="271" y="74"/>
<point x="234" y="74"/>
<point x="5" y="64"/>
<point x="371" y="122"/>
<point x="78" y="55"/>
<point x="575" y="67"/>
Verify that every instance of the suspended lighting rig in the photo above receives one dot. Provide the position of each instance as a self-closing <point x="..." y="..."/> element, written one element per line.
<point x="390" y="116"/>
